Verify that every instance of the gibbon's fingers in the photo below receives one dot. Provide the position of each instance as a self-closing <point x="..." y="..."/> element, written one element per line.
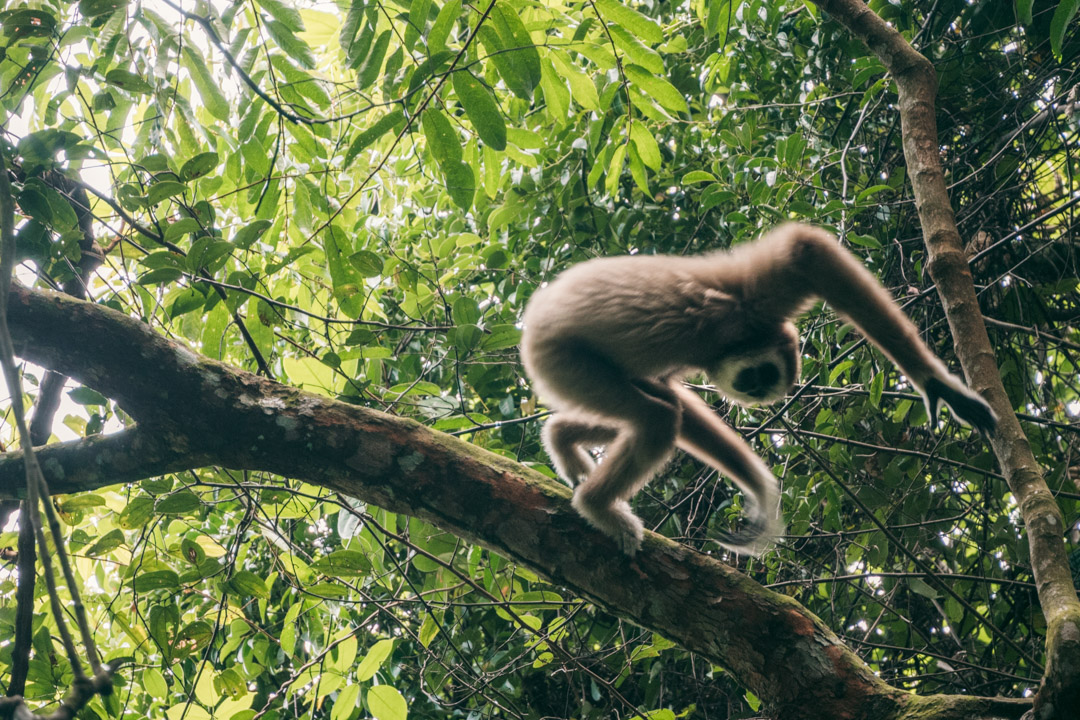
<point x="964" y="403"/>
<point x="705" y="436"/>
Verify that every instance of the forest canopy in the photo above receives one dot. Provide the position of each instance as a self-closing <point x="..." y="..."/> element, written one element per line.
<point x="271" y="258"/>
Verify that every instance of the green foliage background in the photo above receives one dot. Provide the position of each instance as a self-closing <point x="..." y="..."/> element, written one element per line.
<point x="359" y="198"/>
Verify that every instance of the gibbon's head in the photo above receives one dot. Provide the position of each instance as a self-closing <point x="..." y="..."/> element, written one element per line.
<point x="763" y="375"/>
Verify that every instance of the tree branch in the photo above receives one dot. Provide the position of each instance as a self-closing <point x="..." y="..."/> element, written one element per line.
<point x="916" y="80"/>
<point x="194" y="411"/>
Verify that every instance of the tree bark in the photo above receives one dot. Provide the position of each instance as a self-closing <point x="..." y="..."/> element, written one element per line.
<point x="194" y="412"/>
<point x="1059" y="694"/>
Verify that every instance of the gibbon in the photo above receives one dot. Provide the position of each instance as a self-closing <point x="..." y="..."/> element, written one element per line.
<point x="607" y="343"/>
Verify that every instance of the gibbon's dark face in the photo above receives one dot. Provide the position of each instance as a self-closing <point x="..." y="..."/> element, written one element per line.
<point x="763" y="375"/>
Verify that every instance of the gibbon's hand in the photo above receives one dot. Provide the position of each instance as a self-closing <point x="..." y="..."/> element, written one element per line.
<point x="966" y="405"/>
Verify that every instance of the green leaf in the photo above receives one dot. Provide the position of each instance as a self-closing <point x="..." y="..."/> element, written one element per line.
<point x="33" y="203"/>
<point x="183" y="502"/>
<point x="248" y="234"/>
<point x="367" y="263"/>
<point x="369" y="70"/>
<point x="519" y="68"/>
<point x="864" y="241"/>
<point x="1064" y="14"/>
<point x="106" y="543"/>
<point x="871" y="192"/>
<point x="162" y="190"/>
<point x="192" y="551"/>
<point x="582" y="87"/>
<point x="696" y="176"/>
<point x="428" y="630"/>
<point x="415" y="388"/>
<point x="444" y="23"/>
<point x="346" y="280"/>
<point x="204" y="82"/>
<point x="198" y="166"/>
<point x="247" y="584"/>
<point x="427" y="69"/>
<point x="356" y="51"/>
<point x="205" y="252"/>
<point x="174" y="231"/>
<point x="1023" y="11"/>
<point x="556" y="95"/>
<point x="483" y="111"/>
<point x="161" y="276"/>
<point x="921" y="587"/>
<point x="638" y="51"/>
<point x="645" y="28"/>
<point x="877" y="387"/>
<point x="186" y="300"/>
<point x="658" y="88"/>
<point x="443" y="141"/>
<point x="614" y="170"/>
<point x="465" y="311"/>
<point x="373" y="660"/>
<point x="346" y="655"/>
<point x="28" y="22"/>
<point x="343" y="563"/>
<point x="156" y="580"/>
<point x="232" y="683"/>
<point x="137" y="512"/>
<point x="418" y="14"/>
<point x="293" y="46"/>
<point x="461" y="184"/>
<point x="71" y="503"/>
<point x="128" y="81"/>
<point x="285" y="14"/>
<point x="514" y="35"/>
<point x="646" y="145"/>
<point x="353" y="19"/>
<point x="195" y="635"/>
<point x="637" y="170"/>
<point x="87" y="396"/>
<point x="154" y="683"/>
<point x="345" y="703"/>
<point x="501" y="337"/>
<point x="94" y="8"/>
<point x="383" y="125"/>
<point x="386" y="703"/>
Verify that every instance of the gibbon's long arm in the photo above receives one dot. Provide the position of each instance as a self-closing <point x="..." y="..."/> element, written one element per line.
<point x="806" y="261"/>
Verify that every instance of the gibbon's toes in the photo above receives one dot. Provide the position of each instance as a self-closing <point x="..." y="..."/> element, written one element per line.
<point x="964" y="403"/>
<point x="617" y="521"/>
<point x="631" y="530"/>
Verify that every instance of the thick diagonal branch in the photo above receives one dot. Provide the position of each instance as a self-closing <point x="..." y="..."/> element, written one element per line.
<point x="193" y="411"/>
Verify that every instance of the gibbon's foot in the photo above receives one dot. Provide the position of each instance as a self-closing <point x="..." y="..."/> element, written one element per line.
<point x="617" y="521"/>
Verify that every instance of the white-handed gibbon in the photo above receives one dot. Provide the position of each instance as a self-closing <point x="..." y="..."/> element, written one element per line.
<point x="607" y="344"/>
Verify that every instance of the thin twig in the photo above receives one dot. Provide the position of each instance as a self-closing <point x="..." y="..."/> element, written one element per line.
<point x="36" y="489"/>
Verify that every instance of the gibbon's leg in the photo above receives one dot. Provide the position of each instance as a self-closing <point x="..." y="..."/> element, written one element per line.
<point x="566" y="439"/>
<point x="808" y="261"/>
<point x="645" y="416"/>
<point x="645" y="441"/>
<point x="707" y="437"/>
